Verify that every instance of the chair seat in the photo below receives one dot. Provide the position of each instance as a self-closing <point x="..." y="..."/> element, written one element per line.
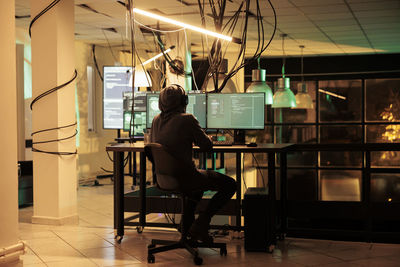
<point x="170" y="177"/>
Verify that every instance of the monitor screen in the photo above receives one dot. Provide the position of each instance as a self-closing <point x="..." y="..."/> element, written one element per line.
<point x="196" y="106"/>
<point x="140" y="123"/>
<point x="235" y="111"/>
<point x="140" y="101"/>
<point x="116" y="82"/>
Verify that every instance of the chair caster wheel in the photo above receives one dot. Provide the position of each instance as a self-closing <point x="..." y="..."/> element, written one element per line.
<point x="139" y="229"/>
<point x="151" y="246"/>
<point x="198" y="261"/>
<point x="223" y="252"/>
<point x="118" y="238"/>
<point x="271" y="248"/>
<point x="151" y="258"/>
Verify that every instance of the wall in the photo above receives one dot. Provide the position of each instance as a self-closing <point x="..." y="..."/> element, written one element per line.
<point x="91" y="151"/>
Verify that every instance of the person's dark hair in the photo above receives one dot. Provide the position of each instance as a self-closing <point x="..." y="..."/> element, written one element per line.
<point x="173" y="98"/>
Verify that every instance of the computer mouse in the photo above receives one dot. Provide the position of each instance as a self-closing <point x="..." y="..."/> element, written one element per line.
<point x="252" y="144"/>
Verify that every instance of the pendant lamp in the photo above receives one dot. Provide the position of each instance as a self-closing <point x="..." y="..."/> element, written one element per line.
<point x="284" y="97"/>
<point x="303" y="98"/>
<point x="259" y="85"/>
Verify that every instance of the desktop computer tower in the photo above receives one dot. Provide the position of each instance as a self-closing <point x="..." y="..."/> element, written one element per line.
<point x="257" y="220"/>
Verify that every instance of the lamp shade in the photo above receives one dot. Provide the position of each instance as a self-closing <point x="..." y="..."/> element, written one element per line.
<point x="142" y="79"/>
<point x="284" y="97"/>
<point x="303" y="98"/>
<point x="260" y="86"/>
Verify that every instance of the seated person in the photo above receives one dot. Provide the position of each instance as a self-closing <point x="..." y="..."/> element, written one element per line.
<point x="177" y="131"/>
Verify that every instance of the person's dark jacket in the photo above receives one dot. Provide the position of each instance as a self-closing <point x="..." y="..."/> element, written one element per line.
<point x="176" y="130"/>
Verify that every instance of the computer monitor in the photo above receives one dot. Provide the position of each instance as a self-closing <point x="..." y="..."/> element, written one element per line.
<point x="116" y="82"/>
<point x="196" y="106"/>
<point x="139" y="123"/>
<point x="235" y="111"/>
<point x="137" y="130"/>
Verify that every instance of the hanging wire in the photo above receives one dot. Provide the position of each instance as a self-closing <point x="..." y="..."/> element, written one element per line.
<point x="302" y="74"/>
<point x="283" y="35"/>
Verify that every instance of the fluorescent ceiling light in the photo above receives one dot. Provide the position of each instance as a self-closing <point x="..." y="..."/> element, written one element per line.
<point x="181" y="24"/>
<point x="159" y="55"/>
<point x="332" y="94"/>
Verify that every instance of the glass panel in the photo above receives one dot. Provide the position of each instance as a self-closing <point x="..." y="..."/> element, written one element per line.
<point x="385" y="159"/>
<point x="260" y="137"/>
<point x="338" y="185"/>
<point x="302" y="159"/>
<point x="385" y="187"/>
<point x="341" y="158"/>
<point x="340" y="134"/>
<point x="302" y="185"/>
<point x="290" y="115"/>
<point x="383" y="133"/>
<point x="295" y="134"/>
<point x="382" y="99"/>
<point x="340" y="100"/>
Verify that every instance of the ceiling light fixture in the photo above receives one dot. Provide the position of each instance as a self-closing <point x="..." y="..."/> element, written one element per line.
<point x="303" y="98"/>
<point x="181" y="24"/>
<point x="159" y="55"/>
<point x="284" y="97"/>
<point x="259" y="85"/>
<point x="332" y="94"/>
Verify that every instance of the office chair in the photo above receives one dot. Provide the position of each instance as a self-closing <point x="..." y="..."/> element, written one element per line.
<point x="170" y="177"/>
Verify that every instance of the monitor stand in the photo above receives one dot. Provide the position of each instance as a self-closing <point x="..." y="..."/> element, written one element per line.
<point x="239" y="137"/>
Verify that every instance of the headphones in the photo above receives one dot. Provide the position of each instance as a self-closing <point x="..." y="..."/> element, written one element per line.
<point x="184" y="96"/>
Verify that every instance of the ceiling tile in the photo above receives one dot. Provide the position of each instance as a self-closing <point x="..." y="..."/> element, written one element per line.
<point x="378" y="5"/>
<point x="331" y="17"/>
<point x="315" y="2"/>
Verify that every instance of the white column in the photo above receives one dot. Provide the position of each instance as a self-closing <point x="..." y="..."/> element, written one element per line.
<point x="53" y="55"/>
<point x="8" y="137"/>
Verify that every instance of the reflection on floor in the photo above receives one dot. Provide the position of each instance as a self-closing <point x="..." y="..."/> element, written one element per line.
<point x="92" y="243"/>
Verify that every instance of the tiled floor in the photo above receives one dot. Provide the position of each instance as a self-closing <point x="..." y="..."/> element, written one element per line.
<point x="92" y="243"/>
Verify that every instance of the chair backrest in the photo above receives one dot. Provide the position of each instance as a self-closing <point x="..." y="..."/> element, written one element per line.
<point x="170" y="172"/>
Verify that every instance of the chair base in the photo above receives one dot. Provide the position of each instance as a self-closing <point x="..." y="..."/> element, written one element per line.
<point x="189" y="245"/>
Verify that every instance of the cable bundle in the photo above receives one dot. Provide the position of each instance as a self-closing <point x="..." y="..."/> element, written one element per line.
<point x="48" y="92"/>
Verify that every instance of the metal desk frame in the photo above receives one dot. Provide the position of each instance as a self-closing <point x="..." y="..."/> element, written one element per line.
<point x="271" y="150"/>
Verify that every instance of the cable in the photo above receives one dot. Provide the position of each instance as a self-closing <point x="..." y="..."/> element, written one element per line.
<point x="50" y="6"/>
<point x="244" y="180"/>
<point x="95" y="62"/>
<point x="46" y="93"/>
<point x="156" y="30"/>
<point x="259" y="169"/>
<point x="56" y="128"/>
<point x="109" y="46"/>
<point x="52" y="90"/>
<point x="57" y="140"/>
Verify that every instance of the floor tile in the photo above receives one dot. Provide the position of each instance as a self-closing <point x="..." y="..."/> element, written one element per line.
<point x="83" y="262"/>
<point x="109" y="256"/>
<point x="92" y="243"/>
<point x="314" y="259"/>
<point x="373" y="262"/>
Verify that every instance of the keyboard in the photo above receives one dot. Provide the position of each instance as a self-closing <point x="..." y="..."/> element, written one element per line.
<point x="222" y="143"/>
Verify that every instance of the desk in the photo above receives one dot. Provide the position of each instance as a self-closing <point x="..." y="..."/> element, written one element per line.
<point x="271" y="150"/>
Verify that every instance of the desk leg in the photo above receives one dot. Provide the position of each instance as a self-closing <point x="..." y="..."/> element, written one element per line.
<point x="119" y="194"/>
<point x="142" y="212"/>
<point x="134" y="169"/>
<point x="283" y="172"/>
<point x="272" y="194"/>
<point x="238" y="190"/>
<point x="130" y="163"/>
